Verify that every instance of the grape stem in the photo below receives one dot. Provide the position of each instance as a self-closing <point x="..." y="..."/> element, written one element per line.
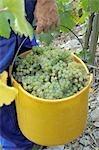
<point x="3" y="9"/>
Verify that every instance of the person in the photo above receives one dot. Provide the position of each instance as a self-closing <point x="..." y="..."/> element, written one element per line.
<point x="46" y="16"/>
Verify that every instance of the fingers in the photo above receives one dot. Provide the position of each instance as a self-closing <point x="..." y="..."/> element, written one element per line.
<point x="46" y="16"/>
<point x="49" y="24"/>
<point x="41" y="25"/>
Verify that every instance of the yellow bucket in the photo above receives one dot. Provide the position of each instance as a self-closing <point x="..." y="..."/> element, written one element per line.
<point x="52" y="122"/>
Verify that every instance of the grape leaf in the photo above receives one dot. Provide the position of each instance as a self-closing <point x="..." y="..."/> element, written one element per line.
<point x="16" y="7"/>
<point x="94" y="5"/>
<point x="90" y="5"/>
<point x="21" y="26"/>
<point x="1" y="4"/>
<point x="46" y="37"/>
<point x="4" y="26"/>
<point x="19" y="23"/>
<point x="85" y="4"/>
<point x="66" y="20"/>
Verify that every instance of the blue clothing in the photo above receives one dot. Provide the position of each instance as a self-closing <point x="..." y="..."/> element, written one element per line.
<point x="11" y="137"/>
<point x="7" y="51"/>
<point x="6" y="143"/>
<point x="8" y="47"/>
<point x="10" y="131"/>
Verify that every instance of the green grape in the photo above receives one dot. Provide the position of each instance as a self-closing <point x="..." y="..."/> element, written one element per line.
<point x="50" y="73"/>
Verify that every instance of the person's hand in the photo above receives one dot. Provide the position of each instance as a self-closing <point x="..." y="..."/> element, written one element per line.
<point x="7" y="94"/>
<point x="46" y="15"/>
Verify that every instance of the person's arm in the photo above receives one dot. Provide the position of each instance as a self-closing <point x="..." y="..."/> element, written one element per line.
<point x="46" y="14"/>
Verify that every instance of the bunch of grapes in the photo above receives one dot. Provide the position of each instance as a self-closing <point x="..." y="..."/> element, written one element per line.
<point x="50" y="73"/>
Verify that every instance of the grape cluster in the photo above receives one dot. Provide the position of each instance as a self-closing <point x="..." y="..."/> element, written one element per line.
<point x="50" y="73"/>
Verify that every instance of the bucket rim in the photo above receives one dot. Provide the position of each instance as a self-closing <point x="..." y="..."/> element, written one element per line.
<point x="56" y="100"/>
<point x="53" y="100"/>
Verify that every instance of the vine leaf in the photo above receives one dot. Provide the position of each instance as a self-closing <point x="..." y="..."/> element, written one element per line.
<point x="4" y="26"/>
<point x="90" y="5"/>
<point x="66" y="20"/>
<point x="46" y="38"/>
<point x="1" y="4"/>
<point x="94" y="5"/>
<point x="16" y="15"/>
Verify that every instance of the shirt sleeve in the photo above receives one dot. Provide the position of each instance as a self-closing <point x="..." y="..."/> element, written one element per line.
<point x="7" y="51"/>
<point x="29" y="8"/>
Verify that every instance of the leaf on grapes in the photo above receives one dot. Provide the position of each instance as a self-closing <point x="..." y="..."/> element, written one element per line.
<point x="4" y="26"/>
<point x="46" y="38"/>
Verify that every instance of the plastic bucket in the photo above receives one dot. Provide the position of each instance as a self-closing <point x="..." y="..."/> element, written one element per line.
<point x="52" y="122"/>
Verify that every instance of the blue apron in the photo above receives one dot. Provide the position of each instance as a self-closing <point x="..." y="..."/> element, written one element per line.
<point x="11" y="137"/>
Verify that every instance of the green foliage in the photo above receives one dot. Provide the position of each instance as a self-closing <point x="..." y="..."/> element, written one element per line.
<point x="65" y="14"/>
<point x="4" y="26"/>
<point x="84" y="55"/>
<point x="1" y="4"/>
<point x="50" y="73"/>
<point x="71" y="13"/>
<point x="66" y="19"/>
<point x="14" y="12"/>
<point x="36" y="147"/>
<point x="46" y="37"/>
<point x="49" y="36"/>
<point x="90" y="5"/>
<point x="94" y="5"/>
